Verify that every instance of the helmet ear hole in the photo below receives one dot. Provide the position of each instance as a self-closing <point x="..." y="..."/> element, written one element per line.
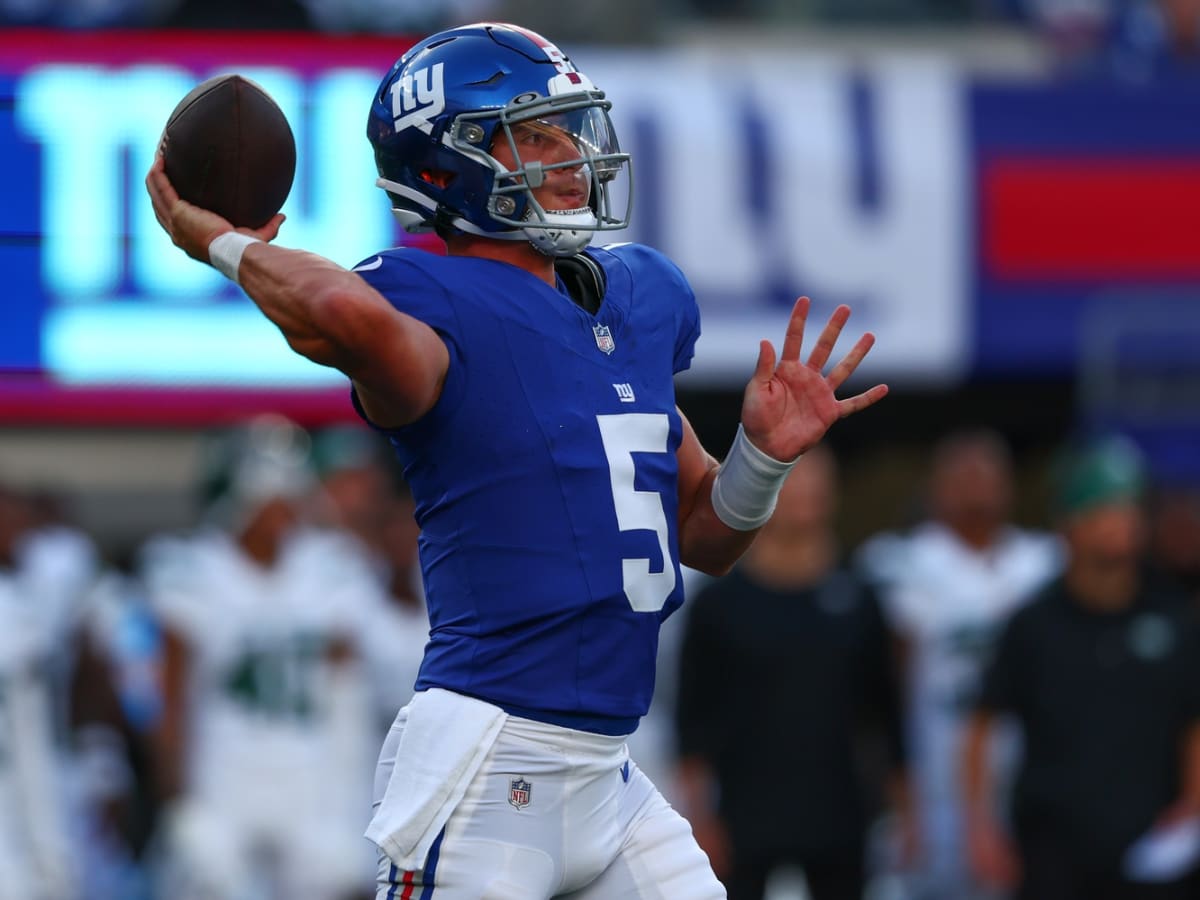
<point x="437" y="177"/>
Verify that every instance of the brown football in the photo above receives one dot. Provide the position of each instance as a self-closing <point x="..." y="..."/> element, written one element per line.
<point x="228" y="147"/>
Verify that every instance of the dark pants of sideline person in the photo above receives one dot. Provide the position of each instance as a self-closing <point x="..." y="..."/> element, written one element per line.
<point x="842" y="878"/>
<point x="1049" y="874"/>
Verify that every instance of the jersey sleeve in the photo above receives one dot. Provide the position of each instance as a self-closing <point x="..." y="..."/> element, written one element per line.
<point x="337" y="568"/>
<point x="169" y="571"/>
<point x="687" y="317"/>
<point x="689" y="332"/>
<point x="657" y="276"/>
<point x="187" y="594"/>
<point x="404" y="278"/>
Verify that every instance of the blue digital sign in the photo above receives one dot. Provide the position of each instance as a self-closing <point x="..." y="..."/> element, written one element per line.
<point x="975" y="226"/>
<point x="96" y="294"/>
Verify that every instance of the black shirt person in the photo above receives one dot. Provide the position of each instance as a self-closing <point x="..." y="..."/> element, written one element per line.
<point x="1102" y="671"/>
<point x="782" y="661"/>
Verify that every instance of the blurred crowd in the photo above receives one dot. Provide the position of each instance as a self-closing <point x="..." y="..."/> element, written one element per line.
<point x="1129" y="39"/>
<point x="207" y="716"/>
<point x="959" y="708"/>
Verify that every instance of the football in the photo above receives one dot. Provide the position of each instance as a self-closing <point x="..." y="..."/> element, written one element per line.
<point x="228" y="147"/>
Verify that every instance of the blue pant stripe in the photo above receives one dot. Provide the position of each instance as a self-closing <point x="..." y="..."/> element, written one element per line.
<point x="431" y="865"/>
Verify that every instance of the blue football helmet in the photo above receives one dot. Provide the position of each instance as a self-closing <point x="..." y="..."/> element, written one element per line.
<point x="452" y="98"/>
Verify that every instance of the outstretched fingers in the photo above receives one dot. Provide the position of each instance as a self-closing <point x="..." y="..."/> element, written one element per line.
<point x="859" y="402"/>
<point x="828" y="339"/>
<point x="848" y="363"/>
<point x="794" y="338"/>
<point x="845" y="368"/>
<point x="764" y="369"/>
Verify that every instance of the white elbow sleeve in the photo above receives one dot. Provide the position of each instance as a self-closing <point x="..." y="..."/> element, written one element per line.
<point x="747" y="485"/>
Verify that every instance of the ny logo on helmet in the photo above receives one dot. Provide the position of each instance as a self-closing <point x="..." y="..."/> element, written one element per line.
<point x="417" y="98"/>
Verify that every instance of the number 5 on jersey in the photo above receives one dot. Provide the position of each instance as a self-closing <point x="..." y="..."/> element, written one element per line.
<point x="624" y="435"/>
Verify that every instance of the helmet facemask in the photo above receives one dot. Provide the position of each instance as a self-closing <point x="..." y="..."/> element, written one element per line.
<point x="580" y="122"/>
<point x="578" y="119"/>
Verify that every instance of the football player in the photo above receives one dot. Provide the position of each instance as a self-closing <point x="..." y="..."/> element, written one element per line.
<point x="527" y="385"/>
<point x="267" y="731"/>
<point x="46" y="571"/>
<point x="949" y="584"/>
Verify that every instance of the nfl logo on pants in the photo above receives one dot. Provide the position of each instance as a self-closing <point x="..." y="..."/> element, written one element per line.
<point x="518" y="792"/>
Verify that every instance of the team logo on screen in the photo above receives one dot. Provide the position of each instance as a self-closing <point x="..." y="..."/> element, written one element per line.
<point x="518" y="792"/>
<point x="604" y="338"/>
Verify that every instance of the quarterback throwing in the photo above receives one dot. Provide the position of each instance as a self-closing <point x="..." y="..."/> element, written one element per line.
<point x="526" y="383"/>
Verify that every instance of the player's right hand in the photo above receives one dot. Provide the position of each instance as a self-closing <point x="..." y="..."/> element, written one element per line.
<point x="190" y="227"/>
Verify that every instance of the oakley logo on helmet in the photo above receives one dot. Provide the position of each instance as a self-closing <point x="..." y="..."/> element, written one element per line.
<point x="417" y="98"/>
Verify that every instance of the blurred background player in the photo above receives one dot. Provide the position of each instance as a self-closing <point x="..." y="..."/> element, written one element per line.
<point x="362" y="491"/>
<point x="267" y="728"/>
<point x="1102" y="672"/>
<point x="948" y="585"/>
<point x="784" y="661"/>
<point x="42" y="579"/>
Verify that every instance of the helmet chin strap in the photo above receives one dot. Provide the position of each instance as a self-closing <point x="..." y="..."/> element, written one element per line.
<point x="561" y="239"/>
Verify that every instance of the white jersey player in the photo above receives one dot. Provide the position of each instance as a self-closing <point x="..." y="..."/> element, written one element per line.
<point x="265" y="627"/>
<point x="948" y="586"/>
<point x="44" y="575"/>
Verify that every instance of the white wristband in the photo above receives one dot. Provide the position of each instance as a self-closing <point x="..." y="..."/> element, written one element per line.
<point x="747" y="485"/>
<point x="225" y="252"/>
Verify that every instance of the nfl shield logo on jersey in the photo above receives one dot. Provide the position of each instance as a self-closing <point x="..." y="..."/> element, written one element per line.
<point x="518" y="792"/>
<point x="604" y="338"/>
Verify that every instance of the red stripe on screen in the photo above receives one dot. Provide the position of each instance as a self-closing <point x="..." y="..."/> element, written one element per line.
<point x="1094" y="219"/>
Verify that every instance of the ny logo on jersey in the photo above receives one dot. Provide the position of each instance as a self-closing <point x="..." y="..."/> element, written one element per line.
<point x="604" y="338"/>
<point x="418" y="97"/>
<point x="625" y="392"/>
<point x="519" y="791"/>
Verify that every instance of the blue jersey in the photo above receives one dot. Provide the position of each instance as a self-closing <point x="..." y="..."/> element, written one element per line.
<point x="546" y="480"/>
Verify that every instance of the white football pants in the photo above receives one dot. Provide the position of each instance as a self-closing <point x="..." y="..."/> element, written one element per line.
<point x="553" y="813"/>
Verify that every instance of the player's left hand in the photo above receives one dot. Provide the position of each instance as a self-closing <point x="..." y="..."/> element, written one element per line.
<point x="789" y="405"/>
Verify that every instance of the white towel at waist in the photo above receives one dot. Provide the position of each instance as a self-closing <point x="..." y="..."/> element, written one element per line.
<point x="444" y="742"/>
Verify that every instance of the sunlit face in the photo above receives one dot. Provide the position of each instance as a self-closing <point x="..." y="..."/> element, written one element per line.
<point x="564" y="188"/>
